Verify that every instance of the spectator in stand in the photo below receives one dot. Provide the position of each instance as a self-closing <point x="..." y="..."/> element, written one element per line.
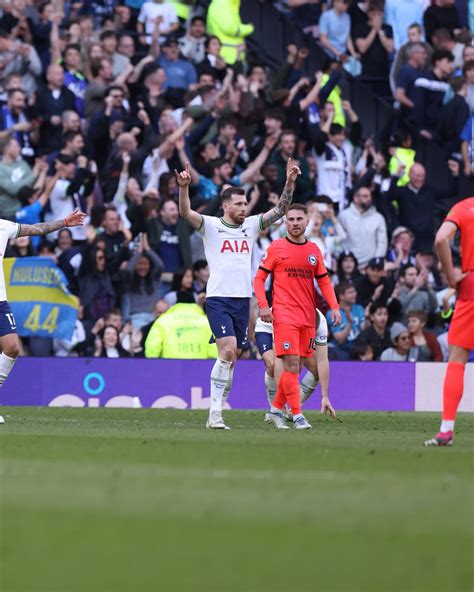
<point x="347" y="269"/>
<point x="33" y="200"/>
<point x="182" y="282"/>
<point x="377" y="334"/>
<point x="14" y="121"/>
<point x="169" y="237"/>
<point x="429" y="91"/>
<point x="416" y="206"/>
<point x="126" y="47"/>
<point x="201" y="276"/>
<point x="414" y="68"/>
<point x="365" y="228"/>
<point x="453" y="118"/>
<point x="142" y="284"/>
<point x="19" y="57"/>
<point x="415" y="293"/>
<point x="401" y="15"/>
<point x="74" y="79"/>
<point x="51" y="101"/>
<point x="329" y="244"/>
<point x="374" y="41"/>
<point x="415" y="35"/>
<point x="72" y="144"/>
<point x="101" y="78"/>
<point x="180" y="75"/>
<point x="335" y="29"/>
<point x="116" y="239"/>
<point x="375" y="286"/>
<point x="352" y="323"/>
<point x="107" y="344"/>
<point x="401" y="252"/>
<point x="71" y="190"/>
<point x="333" y="163"/>
<point x="402" y="155"/>
<point x="443" y="40"/>
<point x="442" y="14"/>
<point x="285" y="151"/>
<point x="15" y="173"/>
<point x="183" y="332"/>
<point x="96" y="292"/>
<point x="424" y="345"/>
<point x="120" y="62"/>
<point x="223" y="21"/>
<point x="192" y="45"/>
<point x="400" y="337"/>
<point x="158" y="13"/>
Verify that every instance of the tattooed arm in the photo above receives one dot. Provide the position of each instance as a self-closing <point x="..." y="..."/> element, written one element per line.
<point x="76" y="218"/>
<point x="292" y="172"/>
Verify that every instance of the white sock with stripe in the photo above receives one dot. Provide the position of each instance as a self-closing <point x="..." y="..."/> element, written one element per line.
<point x="270" y="387"/>
<point x="6" y="365"/>
<point x="220" y="376"/>
<point x="228" y="386"/>
<point x="307" y="386"/>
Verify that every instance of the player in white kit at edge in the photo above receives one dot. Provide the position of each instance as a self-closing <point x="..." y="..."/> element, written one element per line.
<point x="8" y="333"/>
<point x="228" y="243"/>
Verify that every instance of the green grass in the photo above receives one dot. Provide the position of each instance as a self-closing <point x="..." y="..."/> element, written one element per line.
<point x="104" y="500"/>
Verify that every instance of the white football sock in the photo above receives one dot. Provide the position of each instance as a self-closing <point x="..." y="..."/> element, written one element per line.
<point x="220" y="375"/>
<point x="307" y="386"/>
<point x="447" y="425"/>
<point x="228" y="386"/>
<point x="270" y="387"/>
<point x="6" y="365"/>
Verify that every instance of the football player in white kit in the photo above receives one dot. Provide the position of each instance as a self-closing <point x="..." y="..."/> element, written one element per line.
<point x="317" y="365"/>
<point x="228" y="244"/>
<point x="8" y="333"/>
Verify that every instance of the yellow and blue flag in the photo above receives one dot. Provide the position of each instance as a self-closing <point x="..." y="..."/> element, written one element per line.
<point x="39" y="297"/>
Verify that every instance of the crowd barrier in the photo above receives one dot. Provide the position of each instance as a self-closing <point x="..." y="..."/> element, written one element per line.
<point x="184" y="384"/>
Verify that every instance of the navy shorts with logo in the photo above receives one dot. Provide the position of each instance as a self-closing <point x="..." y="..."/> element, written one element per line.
<point x="264" y="342"/>
<point x="7" y="320"/>
<point x="229" y="317"/>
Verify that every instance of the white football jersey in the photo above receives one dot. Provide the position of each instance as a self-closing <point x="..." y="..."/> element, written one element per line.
<point x="321" y="337"/>
<point x="228" y="251"/>
<point x="8" y="230"/>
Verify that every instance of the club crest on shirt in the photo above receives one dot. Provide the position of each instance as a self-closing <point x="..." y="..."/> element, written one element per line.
<point x="312" y="259"/>
<point x="286" y="345"/>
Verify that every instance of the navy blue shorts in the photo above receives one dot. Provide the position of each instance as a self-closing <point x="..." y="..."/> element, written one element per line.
<point x="264" y="342"/>
<point x="229" y="317"/>
<point x="7" y="320"/>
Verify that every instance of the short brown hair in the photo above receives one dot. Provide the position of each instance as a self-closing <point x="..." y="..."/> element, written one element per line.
<point x="342" y="288"/>
<point x="227" y="194"/>
<point x="299" y="207"/>
<point x="418" y="314"/>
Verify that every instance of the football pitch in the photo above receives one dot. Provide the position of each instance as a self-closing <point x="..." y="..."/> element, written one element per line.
<point x="111" y="500"/>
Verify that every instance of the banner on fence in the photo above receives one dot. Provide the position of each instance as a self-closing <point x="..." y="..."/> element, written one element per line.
<point x="40" y="300"/>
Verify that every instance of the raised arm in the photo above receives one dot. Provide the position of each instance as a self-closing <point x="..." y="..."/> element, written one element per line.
<point x="76" y="218"/>
<point x="292" y="173"/>
<point x="184" y="180"/>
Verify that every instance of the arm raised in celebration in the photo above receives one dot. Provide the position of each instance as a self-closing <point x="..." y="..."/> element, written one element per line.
<point x="76" y="218"/>
<point x="283" y="204"/>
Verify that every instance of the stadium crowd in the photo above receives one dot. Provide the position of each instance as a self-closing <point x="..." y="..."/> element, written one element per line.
<point x="102" y="100"/>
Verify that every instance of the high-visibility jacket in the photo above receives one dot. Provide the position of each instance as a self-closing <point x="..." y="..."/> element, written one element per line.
<point x="182" y="332"/>
<point x="335" y="97"/>
<point x="223" y="21"/>
<point x="404" y="156"/>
